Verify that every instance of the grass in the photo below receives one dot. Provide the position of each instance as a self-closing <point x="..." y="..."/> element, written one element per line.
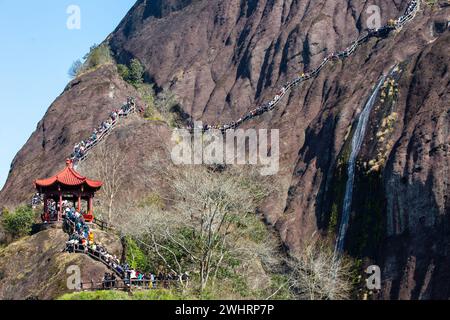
<point x="148" y="295"/>
<point x="93" y="69"/>
<point x="154" y="295"/>
<point x="96" y="295"/>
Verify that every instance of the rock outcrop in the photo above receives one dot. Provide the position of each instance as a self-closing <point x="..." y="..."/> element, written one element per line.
<point x="36" y="267"/>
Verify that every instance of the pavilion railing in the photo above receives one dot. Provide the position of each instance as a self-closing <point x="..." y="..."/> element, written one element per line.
<point x="104" y="226"/>
<point x="129" y="285"/>
<point x="119" y="284"/>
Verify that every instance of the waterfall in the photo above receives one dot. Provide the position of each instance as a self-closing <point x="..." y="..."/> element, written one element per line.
<point x="358" y="138"/>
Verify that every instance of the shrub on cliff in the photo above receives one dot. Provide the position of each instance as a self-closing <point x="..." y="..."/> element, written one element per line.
<point x="75" y="68"/>
<point x="19" y="222"/>
<point x="317" y="273"/>
<point x="98" y="55"/>
<point x="134" y="74"/>
<point x="123" y="71"/>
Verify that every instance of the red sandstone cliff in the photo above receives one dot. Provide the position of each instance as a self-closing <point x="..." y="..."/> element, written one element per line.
<point x="222" y="58"/>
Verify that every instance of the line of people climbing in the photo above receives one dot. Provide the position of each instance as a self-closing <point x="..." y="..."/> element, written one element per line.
<point x="75" y="224"/>
<point x="52" y="211"/>
<point x="81" y="237"/>
<point x="144" y="280"/>
<point x="37" y="200"/>
<point x="410" y="12"/>
<point x="81" y="240"/>
<point x="81" y="149"/>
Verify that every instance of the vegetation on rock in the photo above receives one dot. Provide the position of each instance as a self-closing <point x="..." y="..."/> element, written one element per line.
<point x="98" y="55"/>
<point x="18" y="223"/>
<point x="134" y="74"/>
<point x="150" y="295"/>
<point x="317" y="273"/>
<point x="220" y="234"/>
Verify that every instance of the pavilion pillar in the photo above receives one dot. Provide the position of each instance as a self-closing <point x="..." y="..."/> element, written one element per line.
<point x="45" y="204"/>
<point x="90" y="209"/>
<point x="79" y="203"/>
<point x="60" y="206"/>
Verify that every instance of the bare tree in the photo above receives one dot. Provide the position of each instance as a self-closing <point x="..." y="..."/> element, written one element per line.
<point x="75" y="68"/>
<point x="165" y="101"/>
<point x="319" y="274"/>
<point x="202" y="228"/>
<point x="107" y="163"/>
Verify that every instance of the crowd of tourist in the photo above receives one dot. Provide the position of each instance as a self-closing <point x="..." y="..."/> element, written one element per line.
<point x="82" y="240"/>
<point x="80" y="149"/>
<point x="393" y="24"/>
<point x="145" y="280"/>
<point x="109" y="280"/>
<point x="52" y="211"/>
<point x="36" y="200"/>
<point x="81" y="237"/>
<point x="79" y="230"/>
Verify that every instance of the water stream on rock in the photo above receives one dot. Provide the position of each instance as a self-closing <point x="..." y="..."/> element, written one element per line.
<point x="358" y="138"/>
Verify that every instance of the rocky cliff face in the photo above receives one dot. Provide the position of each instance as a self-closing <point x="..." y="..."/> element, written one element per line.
<point x="43" y="266"/>
<point x="222" y="58"/>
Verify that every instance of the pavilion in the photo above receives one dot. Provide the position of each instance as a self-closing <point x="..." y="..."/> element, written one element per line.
<point x="68" y="185"/>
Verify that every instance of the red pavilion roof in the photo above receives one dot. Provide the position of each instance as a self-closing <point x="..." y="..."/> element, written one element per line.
<point x="68" y="177"/>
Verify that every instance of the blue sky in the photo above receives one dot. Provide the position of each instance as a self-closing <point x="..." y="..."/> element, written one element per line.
<point x="37" y="50"/>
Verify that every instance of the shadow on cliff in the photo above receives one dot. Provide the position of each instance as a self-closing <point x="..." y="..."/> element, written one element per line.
<point x="395" y="222"/>
<point x="415" y="253"/>
<point x="318" y="149"/>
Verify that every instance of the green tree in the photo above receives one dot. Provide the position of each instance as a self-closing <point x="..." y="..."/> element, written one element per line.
<point x="123" y="71"/>
<point x="19" y="222"/>
<point x="136" y="258"/>
<point x="136" y="75"/>
<point x="98" y="55"/>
